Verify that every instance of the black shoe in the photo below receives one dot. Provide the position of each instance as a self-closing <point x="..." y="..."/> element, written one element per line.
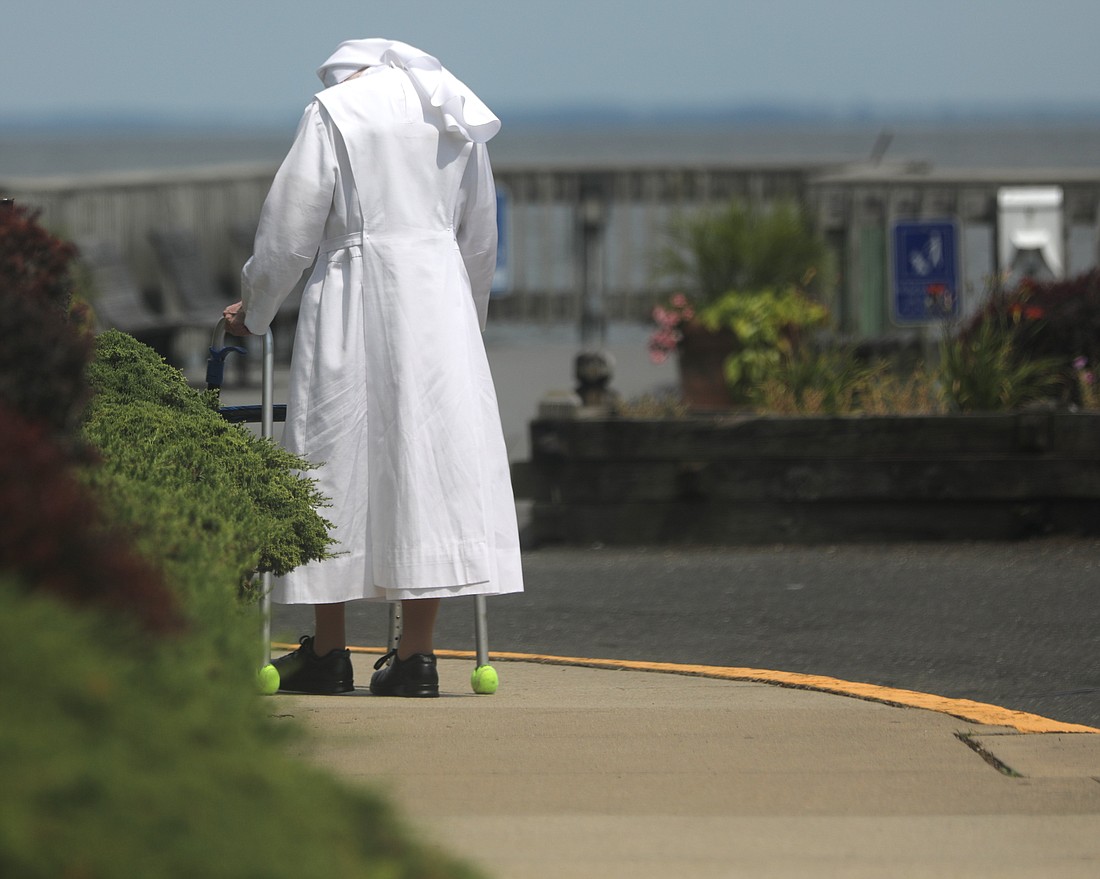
<point x="303" y="671"/>
<point x="414" y="677"/>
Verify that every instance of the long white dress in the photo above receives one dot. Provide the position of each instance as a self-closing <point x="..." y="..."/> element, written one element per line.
<point x="391" y="220"/>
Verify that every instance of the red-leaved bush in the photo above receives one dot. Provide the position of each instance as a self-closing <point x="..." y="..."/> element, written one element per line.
<point x="54" y="539"/>
<point x="53" y="536"/>
<point x="33" y="259"/>
<point x="43" y="354"/>
<point x="1059" y="320"/>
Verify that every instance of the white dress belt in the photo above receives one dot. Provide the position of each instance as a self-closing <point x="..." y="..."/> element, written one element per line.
<point x="350" y="240"/>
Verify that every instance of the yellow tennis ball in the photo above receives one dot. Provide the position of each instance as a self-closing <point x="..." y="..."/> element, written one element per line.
<point x="484" y="680"/>
<point x="269" y="680"/>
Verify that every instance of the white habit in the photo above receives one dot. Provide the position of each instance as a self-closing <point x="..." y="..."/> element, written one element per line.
<point x="385" y="209"/>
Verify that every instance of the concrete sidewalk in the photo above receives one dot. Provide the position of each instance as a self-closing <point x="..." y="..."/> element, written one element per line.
<point x="571" y="771"/>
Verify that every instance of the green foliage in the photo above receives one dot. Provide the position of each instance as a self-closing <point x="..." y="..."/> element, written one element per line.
<point x="197" y="491"/>
<point x="121" y="759"/>
<point x="650" y="406"/>
<point x="125" y="370"/>
<point x="984" y="372"/>
<point x="744" y="271"/>
<point x="979" y="371"/>
<point x="839" y="382"/>
<point x="740" y="248"/>
<point x="768" y="326"/>
<point x="1019" y="349"/>
<point x="825" y="382"/>
<point x="133" y="742"/>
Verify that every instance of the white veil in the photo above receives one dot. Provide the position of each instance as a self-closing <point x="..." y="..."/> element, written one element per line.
<point x="456" y="107"/>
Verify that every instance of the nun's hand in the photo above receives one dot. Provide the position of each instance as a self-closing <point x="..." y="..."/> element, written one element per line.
<point x="234" y="320"/>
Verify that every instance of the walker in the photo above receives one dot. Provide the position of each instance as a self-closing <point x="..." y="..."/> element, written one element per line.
<point x="484" y="678"/>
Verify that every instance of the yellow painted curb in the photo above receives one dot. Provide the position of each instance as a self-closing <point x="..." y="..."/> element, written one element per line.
<point x="965" y="709"/>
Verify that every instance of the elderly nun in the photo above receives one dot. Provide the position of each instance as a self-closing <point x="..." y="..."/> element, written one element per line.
<point x="383" y="214"/>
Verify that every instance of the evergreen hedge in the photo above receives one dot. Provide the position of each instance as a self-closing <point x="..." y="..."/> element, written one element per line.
<point x="132" y="740"/>
<point x="122" y="759"/>
<point x="217" y="484"/>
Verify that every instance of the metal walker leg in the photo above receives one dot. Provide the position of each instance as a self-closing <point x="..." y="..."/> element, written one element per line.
<point x="214" y="373"/>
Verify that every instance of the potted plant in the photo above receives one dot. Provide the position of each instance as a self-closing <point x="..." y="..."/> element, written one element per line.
<point x="747" y="279"/>
<point x="701" y="351"/>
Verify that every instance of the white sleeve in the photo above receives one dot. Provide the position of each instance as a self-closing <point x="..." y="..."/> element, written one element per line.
<point x="292" y="222"/>
<point x="476" y="229"/>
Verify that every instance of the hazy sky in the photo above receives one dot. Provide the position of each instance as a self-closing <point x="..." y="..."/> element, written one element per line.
<point x="254" y="59"/>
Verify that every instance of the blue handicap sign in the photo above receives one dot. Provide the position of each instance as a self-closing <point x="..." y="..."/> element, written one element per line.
<point x="925" y="271"/>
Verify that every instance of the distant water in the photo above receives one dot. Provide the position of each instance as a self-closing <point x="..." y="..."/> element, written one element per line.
<point x="952" y="145"/>
<point x="955" y="144"/>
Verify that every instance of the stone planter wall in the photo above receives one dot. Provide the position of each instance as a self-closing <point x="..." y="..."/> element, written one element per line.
<point x="752" y="480"/>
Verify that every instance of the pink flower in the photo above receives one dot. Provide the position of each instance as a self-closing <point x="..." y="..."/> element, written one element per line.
<point x="1080" y="363"/>
<point x="665" y="318"/>
<point x="665" y="339"/>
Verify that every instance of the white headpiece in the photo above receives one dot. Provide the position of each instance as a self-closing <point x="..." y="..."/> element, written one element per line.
<point x="459" y="109"/>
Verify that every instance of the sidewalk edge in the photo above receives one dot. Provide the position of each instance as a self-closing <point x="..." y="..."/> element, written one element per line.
<point x="964" y="709"/>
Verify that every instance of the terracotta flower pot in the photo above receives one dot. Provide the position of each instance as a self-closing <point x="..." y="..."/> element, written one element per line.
<point x="702" y="356"/>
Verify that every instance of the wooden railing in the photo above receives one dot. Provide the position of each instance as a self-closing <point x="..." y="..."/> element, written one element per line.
<point x="559" y="222"/>
<point x="543" y="213"/>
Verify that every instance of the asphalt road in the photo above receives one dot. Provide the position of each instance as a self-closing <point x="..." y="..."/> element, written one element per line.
<point x="1014" y="624"/>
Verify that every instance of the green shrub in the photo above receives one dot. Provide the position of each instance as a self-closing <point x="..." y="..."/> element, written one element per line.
<point x="841" y="382"/>
<point x="189" y="483"/>
<point x="133" y="744"/>
<point x="768" y="327"/>
<point x="132" y="741"/>
<point x="746" y="271"/>
<point x="987" y="368"/>
<point x="123" y="759"/>
<point x="818" y="382"/>
<point x="737" y="247"/>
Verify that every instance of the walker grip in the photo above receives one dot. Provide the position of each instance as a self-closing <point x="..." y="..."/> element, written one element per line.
<point x="215" y="364"/>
